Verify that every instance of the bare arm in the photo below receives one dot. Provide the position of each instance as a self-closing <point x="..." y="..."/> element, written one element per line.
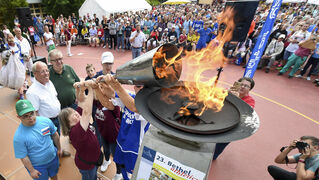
<point x="33" y="172"/>
<point x="104" y="98"/>
<point x="301" y="172"/>
<point x="280" y="159"/>
<point x="86" y="106"/>
<point x="56" y="141"/>
<point x="127" y="100"/>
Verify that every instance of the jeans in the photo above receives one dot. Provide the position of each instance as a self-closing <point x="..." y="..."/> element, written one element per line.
<point x="90" y="174"/>
<point x="287" y="54"/>
<point x="136" y="52"/>
<point x="109" y="148"/>
<point x="112" y="41"/>
<point x="56" y="123"/>
<point x="127" y="42"/>
<point x="281" y="174"/>
<point x="120" y="42"/>
<point x="106" y="38"/>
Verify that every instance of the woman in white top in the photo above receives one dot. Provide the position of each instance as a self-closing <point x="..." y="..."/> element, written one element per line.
<point x="48" y="39"/>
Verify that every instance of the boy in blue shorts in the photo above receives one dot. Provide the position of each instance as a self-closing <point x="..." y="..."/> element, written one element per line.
<point x="36" y="143"/>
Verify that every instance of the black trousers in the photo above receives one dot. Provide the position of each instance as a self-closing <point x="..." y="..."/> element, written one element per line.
<point x="113" y="41"/>
<point x="311" y="62"/>
<point x="280" y="174"/>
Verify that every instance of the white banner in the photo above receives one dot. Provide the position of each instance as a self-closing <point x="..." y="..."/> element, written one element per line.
<point x="313" y="2"/>
<point x="155" y="165"/>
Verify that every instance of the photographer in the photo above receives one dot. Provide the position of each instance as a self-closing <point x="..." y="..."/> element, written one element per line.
<point x="307" y="160"/>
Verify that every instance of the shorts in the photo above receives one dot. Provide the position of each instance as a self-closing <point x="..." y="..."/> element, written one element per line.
<point x="48" y="170"/>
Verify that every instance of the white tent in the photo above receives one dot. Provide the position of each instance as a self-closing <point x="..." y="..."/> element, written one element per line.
<point x="313" y="2"/>
<point x="106" y="7"/>
<point x="288" y="1"/>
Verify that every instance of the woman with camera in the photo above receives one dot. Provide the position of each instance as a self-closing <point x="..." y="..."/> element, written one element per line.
<point x="307" y="160"/>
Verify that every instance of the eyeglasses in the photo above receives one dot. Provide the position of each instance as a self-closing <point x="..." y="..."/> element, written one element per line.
<point x="245" y="85"/>
<point x="28" y="115"/>
<point x="56" y="60"/>
<point x="44" y="71"/>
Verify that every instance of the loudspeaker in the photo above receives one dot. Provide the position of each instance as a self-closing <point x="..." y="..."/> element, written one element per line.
<point x="244" y="12"/>
<point x="25" y="18"/>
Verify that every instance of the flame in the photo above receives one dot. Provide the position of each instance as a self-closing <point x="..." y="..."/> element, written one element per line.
<point x="200" y="87"/>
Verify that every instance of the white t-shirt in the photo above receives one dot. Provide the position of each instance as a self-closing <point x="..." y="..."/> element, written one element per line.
<point x="299" y="36"/>
<point x="139" y="40"/>
<point x="48" y="36"/>
<point x="24" y="44"/>
<point x="44" y="99"/>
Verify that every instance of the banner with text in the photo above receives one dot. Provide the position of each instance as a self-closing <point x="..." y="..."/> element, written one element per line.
<point x="262" y="40"/>
<point x="155" y="165"/>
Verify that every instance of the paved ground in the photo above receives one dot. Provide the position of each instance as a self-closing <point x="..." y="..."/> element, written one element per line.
<point x="288" y="109"/>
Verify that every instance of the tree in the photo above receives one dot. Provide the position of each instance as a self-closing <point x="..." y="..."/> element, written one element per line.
<point x="154" y="2"/>
<point x="8" y="10"/>
<point x="65" y="7"/>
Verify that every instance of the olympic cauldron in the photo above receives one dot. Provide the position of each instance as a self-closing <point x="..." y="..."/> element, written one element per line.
<point x="236" y="120"/>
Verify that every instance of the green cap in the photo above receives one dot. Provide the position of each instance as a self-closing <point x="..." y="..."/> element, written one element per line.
<point x="24" y="106"/>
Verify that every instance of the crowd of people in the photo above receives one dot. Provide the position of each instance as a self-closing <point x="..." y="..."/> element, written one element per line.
<point x="58" y="102"/>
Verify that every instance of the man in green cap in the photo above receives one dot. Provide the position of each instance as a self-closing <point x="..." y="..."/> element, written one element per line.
<point x="36" y="142"/>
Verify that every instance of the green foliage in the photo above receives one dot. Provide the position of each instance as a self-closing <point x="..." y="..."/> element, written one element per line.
<point x="65" y="7"/>
<point x="154" y="2"/>
<point x="8" y="10"/>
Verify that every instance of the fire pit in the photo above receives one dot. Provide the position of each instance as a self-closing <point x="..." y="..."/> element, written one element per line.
<point x="236" y="120"/>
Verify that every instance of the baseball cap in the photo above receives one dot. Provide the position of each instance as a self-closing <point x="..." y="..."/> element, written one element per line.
<point x="23" y="107"/>
<point x="281" y="36"/>
<point x="166" y="29"/>
<point x="107" y="57"/>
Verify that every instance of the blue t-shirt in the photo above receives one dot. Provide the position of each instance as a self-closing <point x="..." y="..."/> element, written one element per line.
<point x="35" y="142"/>
<point x="311" y="164"/>
<point x="316" y="52"/>
<point x="204" y="35"/>
<point x="197" y="24"/>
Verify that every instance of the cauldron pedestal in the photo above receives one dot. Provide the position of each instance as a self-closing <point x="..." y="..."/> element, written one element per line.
<point x="191" y="155"/>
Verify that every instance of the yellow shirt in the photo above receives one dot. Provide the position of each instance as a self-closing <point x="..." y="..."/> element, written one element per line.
<point x="84" y="31"/>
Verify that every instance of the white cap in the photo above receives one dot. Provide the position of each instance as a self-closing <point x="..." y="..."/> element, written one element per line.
<point x="166" y="29"/>
<point x="281" y="36"/>
<point x="107" y="57"/>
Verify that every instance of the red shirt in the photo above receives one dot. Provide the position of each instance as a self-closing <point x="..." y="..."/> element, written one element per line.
<point x="249" y="100"/>
<point x="106" y="122"/>
<point x="302" y="52"/>
<point x="100" y="32"/>
<point x="182" y="38"/>
<point x="86" y="146"/>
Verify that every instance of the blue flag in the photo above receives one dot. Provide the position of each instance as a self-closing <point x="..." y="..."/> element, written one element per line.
<point x="262" y="40"/>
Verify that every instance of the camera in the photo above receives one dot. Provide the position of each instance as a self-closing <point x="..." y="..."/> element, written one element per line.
<point x="301" y="145"/>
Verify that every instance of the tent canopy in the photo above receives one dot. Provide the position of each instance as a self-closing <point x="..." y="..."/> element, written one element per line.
<point x="177" y="2"/>
<point x="106" y="7"/>
<point x="313" y="2"/>
<point x="288" y="1"/>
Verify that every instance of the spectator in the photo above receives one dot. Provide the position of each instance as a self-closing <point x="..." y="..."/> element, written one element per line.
<point x="120" y="35"/>
<point x="242" y="91"/>
<point x="127" y="34"/>
<point x="48" y="39"/>
<point x="313" y="62"/>
<point x="137" y="41"/>
<point x="39" y="27"/>
<point x="172" y="36"/>
<point x="307" y="160"/>
<point x="272" y="52"/>
<point x="132" y="128"/>
<point x="112" y="31"/>
<point x="67" y="34"/>
<point x="204" y="34"/>
<point x="63" y="77"/>
<point x="74" y="34"/>
<point x="36" y="143"/>
<point x="82" y="135"/>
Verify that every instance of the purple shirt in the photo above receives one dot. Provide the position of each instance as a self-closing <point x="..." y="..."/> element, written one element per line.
<point x="302" y="52"/>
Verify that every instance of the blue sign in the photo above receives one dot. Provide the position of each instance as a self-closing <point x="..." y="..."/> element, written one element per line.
<point x="262" y="40"/>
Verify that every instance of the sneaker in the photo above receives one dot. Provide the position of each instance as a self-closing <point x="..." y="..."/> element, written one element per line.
<point x="279" y="68"/>
<point x="70" y="55"/>
<point x="105" y="165"/>
<point x="308" y="78"/>
<point x="267" y="70"/>
<point x="117" y="177"/>
<point x="298" y="76"/>
<point x="280" y="73"/>
<point x="290" y="77"/>
<point x="104" y="47"/>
